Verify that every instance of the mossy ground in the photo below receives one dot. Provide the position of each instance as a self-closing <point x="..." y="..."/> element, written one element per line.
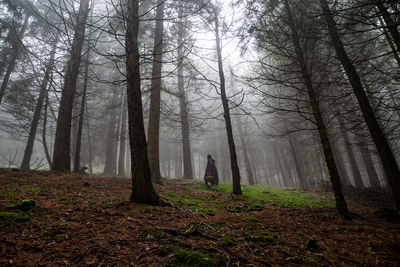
<point x="78" y="223"/>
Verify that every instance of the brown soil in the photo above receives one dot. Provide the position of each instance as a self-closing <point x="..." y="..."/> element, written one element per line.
<point x="78" y="220"/>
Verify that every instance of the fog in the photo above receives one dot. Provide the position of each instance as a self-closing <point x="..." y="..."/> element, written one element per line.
<point x="276" y="127"/>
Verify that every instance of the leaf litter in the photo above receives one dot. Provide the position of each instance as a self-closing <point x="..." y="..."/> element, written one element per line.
<point x="89" y="221"/>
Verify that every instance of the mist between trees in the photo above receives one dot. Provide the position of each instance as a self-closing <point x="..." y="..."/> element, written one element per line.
<point x="292" y="93"/>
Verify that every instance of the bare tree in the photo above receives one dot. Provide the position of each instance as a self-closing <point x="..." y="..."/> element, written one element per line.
<point x="142" y="187"/>
<point x="61" y="155"/>
<point x="155" y="97"/>
<point x="386" y="155"/>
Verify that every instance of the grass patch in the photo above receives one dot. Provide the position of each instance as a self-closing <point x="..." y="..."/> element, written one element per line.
<point x="192" y="203"/>
<point x="253" y="220"/>
<point x="15" y="216"/>
<point x="183" y="257"/>
<point x="278" y="196"/>
<point x="227" y="241"/>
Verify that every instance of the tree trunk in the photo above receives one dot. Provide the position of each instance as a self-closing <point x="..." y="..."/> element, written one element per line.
<point x="187" y="155"/>
<point x="296" y="162"/>
<point x="388" y="160"/>
<point x="89" y="146"/>
<point x="232" y="149"/>
<point x="77" y="157"/>
<point x="350" y="153"/>
<point x="38" y="109"/>
<point x="122" y="144"/>
<point x="46" y="149"/>
<point x="155" y="97"/>
<point x="369" y="165"/>
<point x="330" y="162"/>
<point x="142" y="188"/>
<point x="247" y="165"/>
<point x="16" y="50"/>
<point x="62" y="147"/>
<point x="390" y="24"/>
<point x="111" y="159"/>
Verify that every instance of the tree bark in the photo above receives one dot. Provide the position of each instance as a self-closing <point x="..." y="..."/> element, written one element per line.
<point x="247" y="164"/>
<point x="122" y="144"/>
<point x="16" y="50"/>
<point x="390" y="24"/>
<point x="62" y="144"/>
<point x="327" y="149"/>
<point x="350" y="153"/>
<point x="142" y="188"/>
<point x="388" y="160"/>
<point x="46" y="149"/>
<point x="38" y="109"/>
<point x="77" y="157"/>
<point x="111" y="159"/>
<point x="232" y="149"/>
<point x="296" y="162"/>
<point x="187" y="154"/>
<point x="155" y="96"/>
<point x="369" y="165"/>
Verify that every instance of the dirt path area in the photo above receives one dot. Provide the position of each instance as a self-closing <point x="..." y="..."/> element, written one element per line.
<point x="79" y="221"/>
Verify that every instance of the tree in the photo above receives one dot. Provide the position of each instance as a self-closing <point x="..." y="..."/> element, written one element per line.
<point x="232" y="149"/>
<point x="38" y="109"/>
<point x="386" y="155"/>
<point x="16" y="50"/>
<point x="155" y="97"/>
<point x="142" y="187"/>
<point x="187" y="155"/>
<point x="61" y="155"/>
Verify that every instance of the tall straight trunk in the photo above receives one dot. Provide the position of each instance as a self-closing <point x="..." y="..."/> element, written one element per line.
<point x="232" y="149"/>
<point x="350" y="153"/>
<point x="386" y="155"/>
<point x="89" y="147"/>
<point x="155" y="96"/>
<point x="300" y="177"/>
<point x="62" y="144"/>
<point x="122" y="143"/>
<point x="323" y="134"/>
<point x="142" y="187"/>
<point x="46" y="149"/>
<point x="187" y="155"/>
<point x="369" y="166"/>
<point x="16" y="50"/>
<point x="77" y="157"/>
<point x="344" y="177"/>
<point x="38" y="109"/>
<point x="247" y="165"/>
<point x="111" y="160"/>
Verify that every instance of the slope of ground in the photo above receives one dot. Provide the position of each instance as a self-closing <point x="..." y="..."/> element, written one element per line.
<point x="78" y="220"/>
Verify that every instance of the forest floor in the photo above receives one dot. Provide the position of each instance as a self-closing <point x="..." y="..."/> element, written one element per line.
<point x="79" y="221"/>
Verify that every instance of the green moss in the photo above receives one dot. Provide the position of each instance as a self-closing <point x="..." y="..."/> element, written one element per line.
<point x="227" y="240"/>
<point x="63" y="199"/>
<point x="252" y="219"/>
<point x="278" y="196"/>
<point x="15" y="216"/>
<point x="164" y="251"/>
<point x="27" y="204"/>
<point x="312" y="260"/>
<point x="265" y="237"/>
<point x="184" y="257"/>
<point x="63" y="225"/>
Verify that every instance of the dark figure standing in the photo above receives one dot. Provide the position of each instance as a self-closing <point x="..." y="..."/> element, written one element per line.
<point x="211" y="174"/>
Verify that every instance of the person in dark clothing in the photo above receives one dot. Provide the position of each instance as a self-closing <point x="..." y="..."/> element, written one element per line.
<point x="211" y="173"/>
